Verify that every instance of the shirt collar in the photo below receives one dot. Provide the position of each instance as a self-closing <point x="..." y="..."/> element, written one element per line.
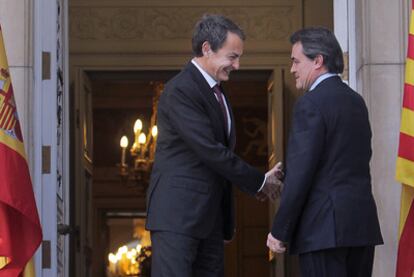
<point x="320" y="79"/>
<point x="206" y="76"/>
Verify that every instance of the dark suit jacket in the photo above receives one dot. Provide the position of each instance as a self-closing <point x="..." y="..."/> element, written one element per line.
<point x="327" y="200"/>
<point x="194" y="161"/>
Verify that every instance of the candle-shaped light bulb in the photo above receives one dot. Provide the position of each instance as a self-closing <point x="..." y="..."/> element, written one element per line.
<point x="142" y="138"/>
<point x="124" y="142"/>
<point x="137" y="126"/>
<point x="123" y="249"/>
<point x="118" y="256"/>
<point x="124" y="145"/>
<point x="154" y="131"/>
<point x="112" y="258"/>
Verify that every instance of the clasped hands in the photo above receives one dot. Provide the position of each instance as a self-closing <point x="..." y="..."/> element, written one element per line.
<point x="273" y="184"/>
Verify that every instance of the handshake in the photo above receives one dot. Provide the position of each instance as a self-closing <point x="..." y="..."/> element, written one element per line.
<point x="273" y="184"/>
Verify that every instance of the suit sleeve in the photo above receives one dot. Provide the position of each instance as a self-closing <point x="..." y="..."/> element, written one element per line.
<point x="188" y="115"/>
<point x="305" y="148"/>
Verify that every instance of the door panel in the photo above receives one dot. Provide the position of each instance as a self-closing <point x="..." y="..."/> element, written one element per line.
<point x="81" y="254"/>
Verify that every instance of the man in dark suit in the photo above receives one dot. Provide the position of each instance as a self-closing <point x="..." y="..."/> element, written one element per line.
<point x="189" y="201"/>
<point x="327" y="213"/>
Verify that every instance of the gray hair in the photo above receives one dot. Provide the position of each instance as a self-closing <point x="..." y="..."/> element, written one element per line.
<point x="320" y="41"/>
<point x="213" y="29"/>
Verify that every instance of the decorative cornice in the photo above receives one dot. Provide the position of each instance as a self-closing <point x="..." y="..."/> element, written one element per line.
<point x="264" y="23"/>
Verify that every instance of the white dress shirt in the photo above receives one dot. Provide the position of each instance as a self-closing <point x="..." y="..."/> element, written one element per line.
<point x="320" y="79"/>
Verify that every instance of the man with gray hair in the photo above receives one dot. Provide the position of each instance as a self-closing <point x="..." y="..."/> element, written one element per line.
<point x="190" y="200"/>
<point x="327" y="213"/>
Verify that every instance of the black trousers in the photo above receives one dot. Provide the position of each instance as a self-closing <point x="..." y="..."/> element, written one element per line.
<point x="338" y="262"/>
<point x="178" y="255"/>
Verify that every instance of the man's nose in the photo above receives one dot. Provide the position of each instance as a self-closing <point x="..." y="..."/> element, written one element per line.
<point x="236" y="64"/>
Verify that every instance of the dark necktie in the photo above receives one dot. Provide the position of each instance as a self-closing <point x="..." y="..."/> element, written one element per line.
<point x="220" y="99"/>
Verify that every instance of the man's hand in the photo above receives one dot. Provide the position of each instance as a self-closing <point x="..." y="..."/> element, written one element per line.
<point x="273" y="186"/>
<point x="275" y="245"/>
<point x="277" y="171"/>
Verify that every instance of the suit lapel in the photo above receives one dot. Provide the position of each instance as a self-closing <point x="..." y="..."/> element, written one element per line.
<point x="211" y="98"/>
<point x="232" y="138"/>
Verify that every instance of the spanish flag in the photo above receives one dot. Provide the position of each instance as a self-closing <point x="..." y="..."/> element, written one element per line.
<point x="20" y="230"/>
<point x="405" y="166"/>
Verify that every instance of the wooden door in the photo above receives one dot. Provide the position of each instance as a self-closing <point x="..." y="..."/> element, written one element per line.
<point x="81" y="196"/>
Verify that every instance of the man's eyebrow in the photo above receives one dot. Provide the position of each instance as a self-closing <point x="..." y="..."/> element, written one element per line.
<point x="235" y="54"/>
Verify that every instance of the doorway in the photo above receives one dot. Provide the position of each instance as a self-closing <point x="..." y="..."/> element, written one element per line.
<point x="115" y="99"/>
<point x="118" y="99"/>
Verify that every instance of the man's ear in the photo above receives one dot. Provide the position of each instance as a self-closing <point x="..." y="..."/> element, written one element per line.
<point x="206" y="48"/>
<point x="318" y="61"/>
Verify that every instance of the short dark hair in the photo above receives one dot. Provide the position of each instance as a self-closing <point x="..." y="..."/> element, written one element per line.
<point x="213" y="28"/>
<point x="321" y="41"/>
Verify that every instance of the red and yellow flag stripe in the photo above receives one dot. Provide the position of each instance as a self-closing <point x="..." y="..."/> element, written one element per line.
<point x="405" y="166"/>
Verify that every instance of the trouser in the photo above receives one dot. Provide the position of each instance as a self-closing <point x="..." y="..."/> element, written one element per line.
<point x="338" y="262"/>
<point x="178" y="255"/>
